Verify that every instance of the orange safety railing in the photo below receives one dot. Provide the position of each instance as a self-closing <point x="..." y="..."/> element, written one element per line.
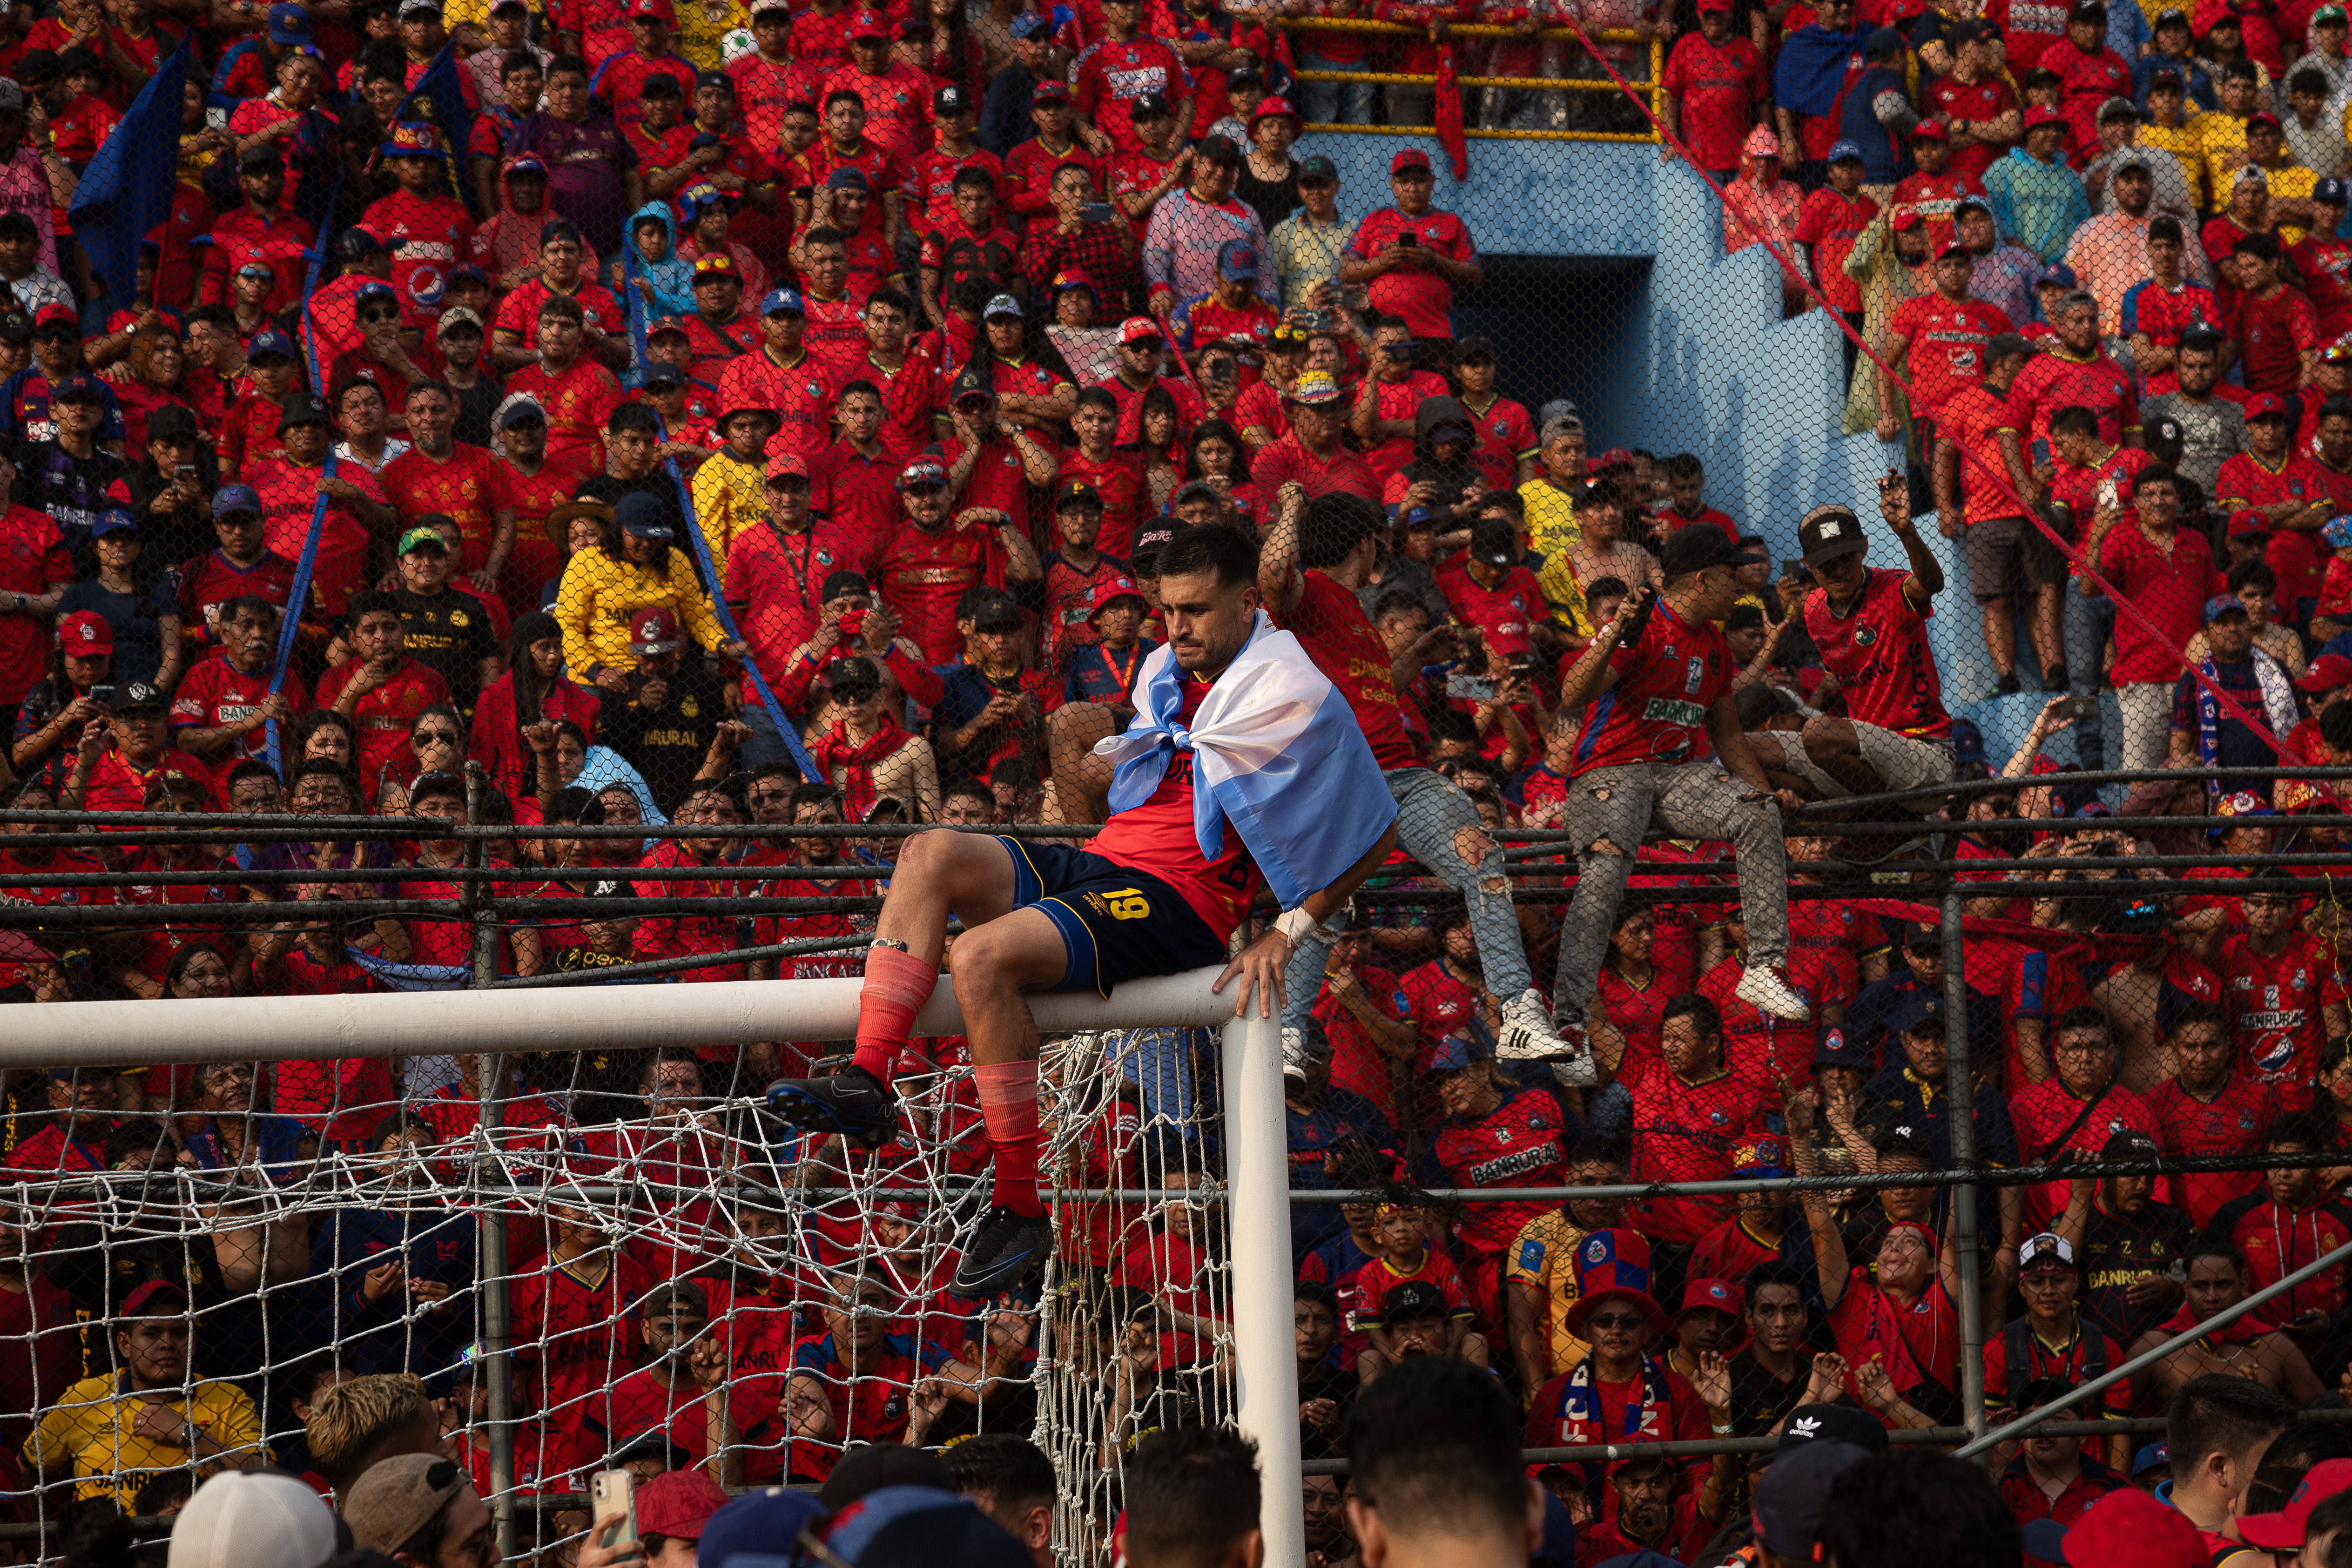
<point x="1486" y="30"/>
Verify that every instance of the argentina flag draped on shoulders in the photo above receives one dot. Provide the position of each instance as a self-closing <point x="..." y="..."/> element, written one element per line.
<point x="1276" y="751"/>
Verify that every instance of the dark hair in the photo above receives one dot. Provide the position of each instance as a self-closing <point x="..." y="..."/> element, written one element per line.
<point x="1227" y="553"/>
<point x="2218" y="1414"/>
<point x="1595" y="1149"/>
<point x="563" y="63"/>
<point x="2254" y="573"/>
<point x="2197" y="1010"/>
<point x="2082" y="1015"/>
<point x="2155" y="473"/>
<point x="574" y="806"/>
<point x="2206" y="1244"/>
<point x="1684" y="465"/>
<point x="1210" y="429"/>
<point x="1435" y="1443"/>
<point x="369" y="603"/>
<point x="2314" y="1129"/>
<point x="1098" y="397"/>
<point x="2258" y="244"/>
<point x="1192" y="1493"/>
<point x="634" y="416"/>
<point x="2074" y="418"/>
<point x="2306" y="1443"/>
<point x="1316" y="1291"/>
<point x="187" y="955"/>
<point x="1332" y="527"/>
<point x="1691" y="1005"/>
<point x="1396" y="601"/>
<point x="1011" y="1470"/>
<point x="1923" y="1510"/>
<point x="2308" y="80"/>
<point x="1774" y="1272"/>
<point x="2335" y="727"/>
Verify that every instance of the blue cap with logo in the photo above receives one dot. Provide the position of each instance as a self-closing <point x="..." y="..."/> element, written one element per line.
<point x="1844" y="153"/>
<point x="781" y="301"/>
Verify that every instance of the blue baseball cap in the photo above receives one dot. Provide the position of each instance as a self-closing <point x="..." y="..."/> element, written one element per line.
<point x="272" y="343"/>
<point x="2057" y="274"/>
<point x="2338" y="532"/>
<point x="847" y="179"/>
<point x="113" y="521"/>
<point x="1454" y="1052"/>
<point x="1237" y="258"/>
<point x="1030" y="24"/>
<point x="288" y="25"/>
<point x="779" y="299"/>
<point x="368" y="291"/>
<point x="2149" y="1457"/>
<point x="763" y="1524"/>
<point x="643" y="516"/>
<point x="235" y="498"/>
<point x="1844" y="152"/>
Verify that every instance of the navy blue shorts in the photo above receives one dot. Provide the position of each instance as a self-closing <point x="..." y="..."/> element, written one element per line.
<point x="1119" y="923"/>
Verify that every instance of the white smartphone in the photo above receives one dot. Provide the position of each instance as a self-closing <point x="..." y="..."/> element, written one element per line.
<point x="608" y="1491"/>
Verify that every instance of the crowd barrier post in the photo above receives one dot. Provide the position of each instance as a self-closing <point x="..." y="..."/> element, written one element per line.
<point x="1960" y="1089"/>
<point x="493" y="1344"/>
<point x="1266" y="1362"/>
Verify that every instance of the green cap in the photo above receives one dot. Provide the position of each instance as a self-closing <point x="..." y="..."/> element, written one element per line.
<point x="421" y="536"/>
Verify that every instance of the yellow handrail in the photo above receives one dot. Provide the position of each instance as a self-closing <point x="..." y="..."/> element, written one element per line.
<point x="1486" y="30"/>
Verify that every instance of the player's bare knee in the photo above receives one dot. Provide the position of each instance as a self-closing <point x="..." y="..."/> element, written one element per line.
<point x="1827" y="735"/>
<point x="1494" y="886"/>
<point x="1604" y="845"/>
<point x="1473" y="844"/>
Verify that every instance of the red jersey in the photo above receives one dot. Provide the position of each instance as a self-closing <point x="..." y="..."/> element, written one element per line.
<point x="1118" y="479"/>
<point x="2273" y="336"/>
<point x="1657" y="711"/>
<point x="34" y="560"/>
<point x="289" y="494"/>
<point x="1879" y="653"/>
<point x="463" y="486"/>
<point x="1936" y="197"/>
<point x="2278" y="1242"/>
<point x="998" y="481"/>
<point x="1717" y="88"/>
<point x="383" y="715"/>
<point x="795" y="391"/>
<point x="161" y="942"/>
<point x="1946" y="344"/>
<point x="1157" y="836"/>
<point x="2245" y="480"/>
<point x="1950" y="98"/>
<point x="1517" y="1145"/>
<point x="2278" y="1008"/>
<point x="870" y="1406"/>
<point x="1027" y="188"/>
<point x="578" y="403"/>
<point x="1763" y="1049"/>
<point x="2044" y="1110"/>
<point x="212" y="580"/>
<point x="1919" y="1342"/>
<point x="1107" y="78"/>
<point x="217" y="692"/>
<point x="2164" y="314"/>
<point x="1505" y="612"/>
<point x="2053" y="380"/>
<point x="2230" y="1122"/>
<point x="575" y="1336"/>
<point x="1331" y="625"/>
<point x="1364" y="1291"/>
<point x="920" y="576"/>
<point x="1831" y="223"/>
<point x="428" y="235"/>
<point x="1683" y="1132"/>
<point x="1420" y="296"/>
<point x="1973" y="418"/>
<point x="930" y="186"/>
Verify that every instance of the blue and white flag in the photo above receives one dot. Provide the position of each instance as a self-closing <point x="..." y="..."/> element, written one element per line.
<point x="1276" y="751"/>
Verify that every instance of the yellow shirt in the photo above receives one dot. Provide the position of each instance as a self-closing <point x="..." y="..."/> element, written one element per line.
<point x="730" y="498"/>
<point x="1552" y="533"/>
<point x="2218" y="135"/>
<point x="2293" y="184"/>
<point x="701" y="37"/>
<point x="91" y="1427"/>
<point x="598" y="594"/>
<point x="474" y="14"/>
<point x="2187" y="148"/>
<point x="1543" y="1257"/>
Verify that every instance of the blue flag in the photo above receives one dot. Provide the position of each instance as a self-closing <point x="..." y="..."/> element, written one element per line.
<point x="439" y="85"/>
<point x="127" y="189"/>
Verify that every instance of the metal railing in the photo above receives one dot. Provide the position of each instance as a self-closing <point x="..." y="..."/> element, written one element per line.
<point x="1310" y="25"/>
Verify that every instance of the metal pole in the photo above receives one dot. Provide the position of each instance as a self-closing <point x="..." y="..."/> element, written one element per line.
<point x="1960" y="1102"/>
<point x="1265" y="1364"/>
<point x="493" y="1349"/>
<point x="2142" y="1361"/>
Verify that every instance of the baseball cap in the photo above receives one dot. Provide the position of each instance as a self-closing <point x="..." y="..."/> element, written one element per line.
<point x="1925" y="1009"/>
<point x="1816" y="1425"/>
<point x="1318" y="168"/>
<point x="781" y="301"/>
<point x="1413" y="1299"/>
<point x="1844" y="152"/>
<point x="870" y="1467"/>
<point x="1614" y="1265"/>
<point x="2338" y="532"/>
<point x="973" y="382"/>
<point x="678" y="1503"/>
<point x="1712" y="1295"/>
<point x="664" y="374"/>
<point x="422" y="538"/>
<point x="2118" y="109"/>
<point x="1907" y="218"/>
<point x="1829" y="533"/>
<point x="86" y="633"/>
<point x="2055" y="275"/>
<point x="2041" y="114"/>
<point x="1237" y="258"/>
<point x="906" y="1526"/>
<point x="231" y="499"/>
<point x="396" y="1499"/>
<point x="653" y="630"/>
<point x="2265" y="405"/>
<point x="1139" y="329"/>
<point x="2129" y="1146"/>
<point x="1495" y="541"/>
<point x="1148" y="105"/>
<point x="1079" y="491"/>
<point x="1410" y="158"/>
<point x="1834" y="1047"/>
<point x="2222" y="605"/>
<point x="303" y="408"/>
<point x="995" y="608"/>
<point x="277" y="343"/>
<point x="870" y="25"/>
<point x="253" y="1519"/>
<point x="1219" y="150"/>
<point x="289" y="24"/>
<point x="2248" y="523"/>
<point x="2129" y="1529"/>
<point x="643" y="516"/>
<point x="1314" y="387"/>
<point x="1108" y="591"/>
<point x="951" y="99"/>
<point x="2328" y="671"/>
<point x="922" y="470"/>
<point x="1696" y="549"/>
<point x="517" y="408"/>
<point x="1002" y="305"/>
<point x="1048" y="91"/>
<point x="1074" y="278"/>
<point x="1149" y="540"/>
<point x="2001" y="345"/>
<point x="2046" y="1251"/>
<point x="113" y="521"/>
<point x="2149" y="1457"/>
<point x="786" y="465"/>
<point x="1793" y="1493"/>
<point x="2263" y="117"/>
<point x="1033" y="25"/>
<point x="1453" y="1053"/>
<point x="1270" y="108"/>
<point x="1761" y="1154"/>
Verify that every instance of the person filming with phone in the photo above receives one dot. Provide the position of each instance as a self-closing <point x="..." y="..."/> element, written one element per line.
<point x="1660" y="744"/>
<point x="1871" y="626"/>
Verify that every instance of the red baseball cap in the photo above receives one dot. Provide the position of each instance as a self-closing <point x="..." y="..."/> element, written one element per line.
<point x="1931" y="131"/>
<point x="2265" y="403"/>
<point x="868" y="25"/>
<point x="2043" y="114"/>
<point x="135" y="1303"/>
<point x="1410" y="158"/>
<point x="2129" y="1529"/>
<point x="783" y="463"/>
<point x="1907" y="217"/>
<point x="680" y="1503"/>
<point x="1109" y="590"/>
<point x="85" y="635"/>
<point x="2284" y="1530"/>
<point x="1720" y="1295"/>
<point x="1136" y="328"/>
<point x="2328" y="671"/>
<point x="660" y="10"/>
<point x="2248" y="522"/>
<point x="653" y="631"/>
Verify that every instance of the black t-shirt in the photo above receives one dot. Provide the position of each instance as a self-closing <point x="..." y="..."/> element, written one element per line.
<point x="2115" y="1252"/>
<point x="1758" y="1399"/>
<point x="1340" y="1386"/>
<point x="475" y="404"/>
<point x="73" y="491"/>
<point x="447" y="632"/>
<point x="666" y="744"/>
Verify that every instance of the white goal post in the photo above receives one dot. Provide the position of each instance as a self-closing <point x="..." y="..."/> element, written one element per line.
<point x="744" y="1012"/>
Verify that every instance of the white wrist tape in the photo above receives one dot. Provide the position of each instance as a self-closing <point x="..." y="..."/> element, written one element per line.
<point x="1295" y="924"/>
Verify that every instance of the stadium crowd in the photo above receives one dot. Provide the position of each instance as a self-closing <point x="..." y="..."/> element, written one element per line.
<point x="809" y="396"/>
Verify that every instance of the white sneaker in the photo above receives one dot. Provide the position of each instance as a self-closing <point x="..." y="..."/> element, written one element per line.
<point x="1529" y="1033"/>
<point x="1297" y="1060"/>
<point x="1770" y="989"/>
<point x="1577" y="1073"/>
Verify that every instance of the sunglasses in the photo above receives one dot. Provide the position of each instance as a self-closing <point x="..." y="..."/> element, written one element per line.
<point x="369" y="317"/>
<point x="1614" y="1321"/>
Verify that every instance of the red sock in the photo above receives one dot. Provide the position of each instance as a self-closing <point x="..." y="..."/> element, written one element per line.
<point x="896" y="986"/>
<point x="1008" y="1101"/>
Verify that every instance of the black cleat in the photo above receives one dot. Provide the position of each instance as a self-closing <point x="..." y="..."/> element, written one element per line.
<point x="852" y="1103"/>
<point x="1003" y="1251"/>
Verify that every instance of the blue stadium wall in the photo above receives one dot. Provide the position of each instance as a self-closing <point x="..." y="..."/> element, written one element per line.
<point x="1606" y="283"/>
